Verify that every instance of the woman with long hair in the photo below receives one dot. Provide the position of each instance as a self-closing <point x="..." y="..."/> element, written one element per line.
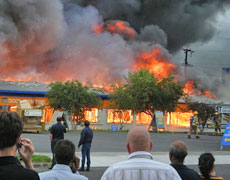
<point x="206" y="166"/>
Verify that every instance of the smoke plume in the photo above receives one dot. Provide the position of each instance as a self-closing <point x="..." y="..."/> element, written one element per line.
<point x="50" y="40"/>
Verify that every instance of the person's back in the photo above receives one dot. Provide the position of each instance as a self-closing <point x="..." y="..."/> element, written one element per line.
<point x="58" y="131"/>
<point x="140" y="164"/>
<point x="186" y="173"/>
<point x="56" y="134"/>
<point x="10" y="135"/>
<point x="177" y="154"/>
<point x="61" y="172"/>
<point x="206" y="166"/>
<point x="11" y="169"/>
<point x="67" y="163"/>
<point x="140" y="168"/>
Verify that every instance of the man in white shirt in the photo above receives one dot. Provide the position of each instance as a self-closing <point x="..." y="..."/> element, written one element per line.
<point x="67" y="163"/>
<point x="140" y="164"/>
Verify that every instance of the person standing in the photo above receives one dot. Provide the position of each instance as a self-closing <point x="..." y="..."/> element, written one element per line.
<point x="217" y="123"/>
<point x="177" y="153"/>
<point x="85" y="141"/>
<point x="194" y="122"/>
<point x="56" y="134"/>
<point x="11" y="127"/>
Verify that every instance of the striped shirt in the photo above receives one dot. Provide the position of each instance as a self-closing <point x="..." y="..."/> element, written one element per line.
<point x="140" y="166"/>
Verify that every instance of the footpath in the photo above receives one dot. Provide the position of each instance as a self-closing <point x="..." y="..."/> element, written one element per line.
<point x="105" y="159"/>
<point x="101" y="160"/>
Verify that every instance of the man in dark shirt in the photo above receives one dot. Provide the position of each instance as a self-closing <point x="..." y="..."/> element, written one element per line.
<point x="85" y="141"/>
<point x="177" y="154"/>
<point x="56" y="134"/>
<point x="11" y="127"/>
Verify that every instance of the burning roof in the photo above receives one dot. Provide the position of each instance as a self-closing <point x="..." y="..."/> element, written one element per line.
<point x="23" y="86"/>
<point x="98" y="41"/>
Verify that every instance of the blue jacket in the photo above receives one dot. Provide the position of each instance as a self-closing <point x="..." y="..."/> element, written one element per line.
<point x="86" y="136"/>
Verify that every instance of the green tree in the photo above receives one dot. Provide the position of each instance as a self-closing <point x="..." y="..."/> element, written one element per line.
<point x="205" y="111"/>
<point x="73" y="97"/>
<point x="143" y="92"/>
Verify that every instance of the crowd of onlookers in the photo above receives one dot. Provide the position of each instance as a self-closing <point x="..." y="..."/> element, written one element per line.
<point x="139" y="166"/>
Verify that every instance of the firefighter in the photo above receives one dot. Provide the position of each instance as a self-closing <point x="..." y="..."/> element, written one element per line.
<point x="217" y="120"/>
<point x="194" y="122"/>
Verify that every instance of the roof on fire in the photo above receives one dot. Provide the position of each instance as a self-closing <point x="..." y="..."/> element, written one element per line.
<point x="12" y="87"/>
<point x="35" y="89"/>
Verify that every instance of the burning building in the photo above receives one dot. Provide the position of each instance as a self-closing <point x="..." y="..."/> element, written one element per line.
<point x="103" y="117"/>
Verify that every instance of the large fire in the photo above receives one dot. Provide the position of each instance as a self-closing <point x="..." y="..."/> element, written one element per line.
<point x="155" y="63"/>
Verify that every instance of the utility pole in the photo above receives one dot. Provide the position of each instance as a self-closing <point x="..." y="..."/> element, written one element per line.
<point x="186" y="64"/>
<point x="186" y="51"/>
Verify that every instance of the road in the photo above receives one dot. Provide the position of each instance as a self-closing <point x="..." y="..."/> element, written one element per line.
<point x="116" y="142"/>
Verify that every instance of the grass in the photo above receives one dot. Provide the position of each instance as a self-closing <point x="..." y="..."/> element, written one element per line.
<point x="40" y="159"/>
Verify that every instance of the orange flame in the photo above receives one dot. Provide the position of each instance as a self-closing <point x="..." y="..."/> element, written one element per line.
<point x="209" y="94"/>
<point x="190" y="89"/>
<point x="155" y="63"/>
<point x="116" y="27"/>
<point x="18" y="79"/>
<point x="98" y="29"/>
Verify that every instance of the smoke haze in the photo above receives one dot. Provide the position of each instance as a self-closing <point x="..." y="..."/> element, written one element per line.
<point x="50" y="40"/>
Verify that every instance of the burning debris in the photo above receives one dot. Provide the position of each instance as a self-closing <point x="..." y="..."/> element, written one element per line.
<point x="99" y="41"/>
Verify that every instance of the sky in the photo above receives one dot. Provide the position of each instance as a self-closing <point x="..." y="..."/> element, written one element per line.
<point x="211" y="56"/>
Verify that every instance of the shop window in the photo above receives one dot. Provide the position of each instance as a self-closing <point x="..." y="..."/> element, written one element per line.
<point x="115" y="116"/>
<point x="181" y="119"/>
<point x="92" y="116"/>
<point x="143" y="118"/>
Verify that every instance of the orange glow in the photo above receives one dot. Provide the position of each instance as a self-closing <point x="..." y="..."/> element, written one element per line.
<point x="190" y="89"/>
<point x="98" y="29"/>
<point x="125" y="117"/>
<point x="92" y="116"/>
<point x="155" y="63"/>
<point x="18" y="79"/>
<point x="106" y="88"/>
<point x="47" y="114"/>
<point x="143" y="118"/>
<point x="209" y="94"/>
<point x="179" y="119"/>
<point x="116" y="27"/>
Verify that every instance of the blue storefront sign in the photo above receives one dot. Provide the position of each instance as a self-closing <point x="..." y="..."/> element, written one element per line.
<point x="226" y="137"/>
<point x="114" y="128"/>
<point x="160" y="120"/>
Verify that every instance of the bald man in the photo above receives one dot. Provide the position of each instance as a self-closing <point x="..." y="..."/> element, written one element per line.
<point x="178" y="152"/>
<point x="140" y="164"/>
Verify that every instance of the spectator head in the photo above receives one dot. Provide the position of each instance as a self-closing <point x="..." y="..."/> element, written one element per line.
<point x="138" y="139"/>
<point x="178" y="151"/>
<point x="86" y="123"/>
<point x="59" y="119"/>
<point x="64" y="152"/>
<point x="206" y="164"/>
<point x="11" y="127"/>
